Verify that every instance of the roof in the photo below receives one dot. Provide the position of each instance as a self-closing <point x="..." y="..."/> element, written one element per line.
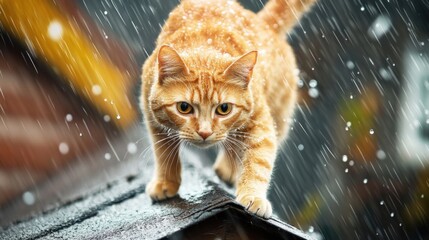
<point x="119" y="209"/>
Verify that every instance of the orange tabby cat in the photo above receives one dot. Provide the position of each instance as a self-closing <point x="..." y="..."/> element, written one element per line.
<point x="222" y="75"/>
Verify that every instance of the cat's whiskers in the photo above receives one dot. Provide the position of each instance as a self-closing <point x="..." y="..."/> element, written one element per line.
<point x="237" y="144"/>
<point x="148" y="149"/>
<point x="173" y="143"/>
<point x="245" y="135"/>
<point x="170" y="160"/>
<point x="230" y="147"/>
<point x="153" y="146"/>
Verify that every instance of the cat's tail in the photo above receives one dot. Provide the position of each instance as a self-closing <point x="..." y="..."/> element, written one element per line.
<point x="281" y="15"/>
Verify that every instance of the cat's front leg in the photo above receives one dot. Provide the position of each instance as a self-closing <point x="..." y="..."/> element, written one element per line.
<point x="227" y="165"/>
<point x="258" y="161"/>
<point x="166" y="179"/>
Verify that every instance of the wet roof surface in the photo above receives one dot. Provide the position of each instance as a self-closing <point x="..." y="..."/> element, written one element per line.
<point x="119" y="209"/>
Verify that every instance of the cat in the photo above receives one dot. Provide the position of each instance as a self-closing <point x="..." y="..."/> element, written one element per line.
<point x="222" y="75"/>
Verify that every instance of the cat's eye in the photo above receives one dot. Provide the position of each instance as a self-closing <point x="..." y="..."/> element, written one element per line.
<point x="224" y="109"/>
<point x="184" y="108"/>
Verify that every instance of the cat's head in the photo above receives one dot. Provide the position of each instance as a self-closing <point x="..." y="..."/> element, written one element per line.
<point x="203" y="100"/>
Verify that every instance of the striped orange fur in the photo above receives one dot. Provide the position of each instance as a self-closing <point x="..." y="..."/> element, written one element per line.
<point x="222" y="75"/>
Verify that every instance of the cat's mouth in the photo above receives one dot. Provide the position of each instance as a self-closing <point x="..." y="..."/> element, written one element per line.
<point x="202" y="143"/>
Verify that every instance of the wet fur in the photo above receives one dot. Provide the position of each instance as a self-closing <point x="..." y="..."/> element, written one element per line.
<point x="212" y="52"/>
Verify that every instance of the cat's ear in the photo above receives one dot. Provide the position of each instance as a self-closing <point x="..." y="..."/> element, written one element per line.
<point x="240" y="71"/>
<point x="170" y="64"/>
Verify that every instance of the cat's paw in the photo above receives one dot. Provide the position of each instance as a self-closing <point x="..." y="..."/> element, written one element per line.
<point x="257" y="205"/>
<point x="162" y="189"/>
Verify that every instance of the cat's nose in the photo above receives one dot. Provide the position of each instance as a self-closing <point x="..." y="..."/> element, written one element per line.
<point x="205" y="134"/>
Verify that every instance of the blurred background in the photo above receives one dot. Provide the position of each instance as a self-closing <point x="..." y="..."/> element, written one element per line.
<point x="354" y="167"/>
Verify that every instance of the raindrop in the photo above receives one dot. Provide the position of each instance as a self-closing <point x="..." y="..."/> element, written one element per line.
<point x="312" y="83"/>
<point x="351" y="96"/>
<point x="371" y="131"/>
<point x="385" y="74"/>
<point x="350" y="65"/>
<point x="118" y="117"/>
<point x="382" y="203"/>
<point x="69" y="117"/>
<point x="300" y="147"/>
<point x="64" y="148"/>
<point x="347" y="170"/>
<point x="28" y="198"/>
<point x="55" y="30"/>
<point x="345" y="158"/>
<point x="351" y="163"/>
<point x="381" y="154"/>
<point x="392" y="214"/>
<point x="132" y="148"/>
<point x="105" y="12"/>
<point x="362" y="8"/>
<point x="313" y="92"/>
<point x="365" y="181"/>
<point x="422" y="196"/>
<point x="300" y="83"/>
<point x="311" y="229"/>
<point x="349" y="124"/>
<point x="107" y="156"/>
<point x="106" y="118"/>
<point x="96" y="89"/>
<point x="380" y="26"/>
